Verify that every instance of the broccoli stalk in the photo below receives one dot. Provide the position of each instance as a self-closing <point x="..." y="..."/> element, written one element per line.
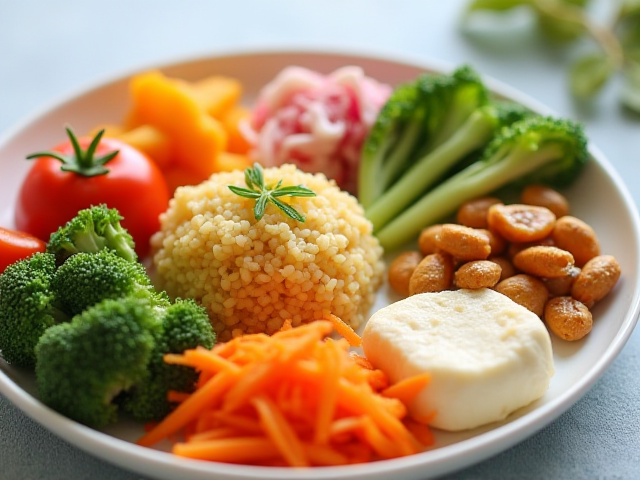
<point x="418" y="117"/>
<point x="83" y="364"/>
<point x="474" y="134"/>
<point x="28" y="306"/>
<point x="533" y="150"/>
<point x="91" y="230"/>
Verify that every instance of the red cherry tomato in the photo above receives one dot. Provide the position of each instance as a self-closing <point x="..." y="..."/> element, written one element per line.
<point x="15" y="246"/>
<point x="55" y="189"/>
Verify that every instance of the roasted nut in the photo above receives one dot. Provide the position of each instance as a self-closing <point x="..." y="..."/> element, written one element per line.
<point x="433" y="274"/>
<point x="477" y="274"/>
<point x="515" y="248"/>
<point x="574" y="235"/>
<point x="546" y="197"/>
<point x="427" y="242"/>
<point x="521" y="223"/>
<point x="561" y="286"/>
<point x="474" y="212"/>
<point x="568" y="318"/>
<point x="506" y="267"/>
<point x="463" y="242"/>
<point x="598" y="276"/>
<point x="525" y="290"/>
<point x="549" y="262"/>
<point x="401" y="269"/>
<point x="496" y="242"/>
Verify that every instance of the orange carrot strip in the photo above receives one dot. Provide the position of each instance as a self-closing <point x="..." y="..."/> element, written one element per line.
<point x="421" y="431"/>
<point x="177" y="397"/>
<point x="279" y="430"/>
<point x="239" y="422"/>
<point x="382" y="445"/>
<point x="188" y="410"/>
<point x="344" y="329"/>
<point x="407" y="389"/>
<point x="255" y="378"/>
<point x="231" y="450"/>
<point x="324" y="455"/>
<point x="351" y="398"/>
<point x="208" y="361"/>
<point x="215" y="433"/>
<point x="330" y="356"/>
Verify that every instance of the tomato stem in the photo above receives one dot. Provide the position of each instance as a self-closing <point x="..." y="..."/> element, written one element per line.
<point x="83" y="162"/>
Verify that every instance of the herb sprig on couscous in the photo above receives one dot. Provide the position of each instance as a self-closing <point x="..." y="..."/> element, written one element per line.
<point x="264" y="194"/>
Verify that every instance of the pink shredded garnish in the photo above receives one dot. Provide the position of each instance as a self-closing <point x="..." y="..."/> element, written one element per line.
<point x="315" y="121"/>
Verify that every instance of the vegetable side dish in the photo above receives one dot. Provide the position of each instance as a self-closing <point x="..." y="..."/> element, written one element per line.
<point x="221" y="334"/>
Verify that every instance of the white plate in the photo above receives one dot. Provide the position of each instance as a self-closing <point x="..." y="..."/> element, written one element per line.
<point x="598" y="197"/>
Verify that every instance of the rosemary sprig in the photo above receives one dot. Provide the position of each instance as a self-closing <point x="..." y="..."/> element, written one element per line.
<point x="264" y="194"/>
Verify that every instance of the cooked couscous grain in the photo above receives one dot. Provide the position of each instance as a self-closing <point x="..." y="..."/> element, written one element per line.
<point x="252" y="275"/>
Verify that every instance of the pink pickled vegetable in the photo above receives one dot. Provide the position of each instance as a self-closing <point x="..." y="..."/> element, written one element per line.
<point x="315" y="121"/>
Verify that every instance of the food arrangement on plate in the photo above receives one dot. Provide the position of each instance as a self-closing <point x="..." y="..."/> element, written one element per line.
<point x="264" y="230"/>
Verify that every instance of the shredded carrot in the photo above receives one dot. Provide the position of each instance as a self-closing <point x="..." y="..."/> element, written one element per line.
<point x="407" y="389"/>
<point x="295" y="398"/>
<point x="344" y="329"/>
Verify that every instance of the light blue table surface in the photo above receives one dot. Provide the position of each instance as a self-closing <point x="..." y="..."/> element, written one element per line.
<point x="48" y="49"/>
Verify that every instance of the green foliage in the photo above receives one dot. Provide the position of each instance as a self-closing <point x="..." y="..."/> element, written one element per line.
<point x="567" y="21"/>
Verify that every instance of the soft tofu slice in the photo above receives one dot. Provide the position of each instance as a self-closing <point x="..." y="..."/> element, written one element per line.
<point x="487" y="355"/>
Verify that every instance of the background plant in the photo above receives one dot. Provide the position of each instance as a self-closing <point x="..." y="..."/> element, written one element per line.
<point x="616" y="42"/>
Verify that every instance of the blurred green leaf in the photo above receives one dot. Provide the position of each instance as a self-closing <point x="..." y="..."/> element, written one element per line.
<point x="629" y="8"/>
<point x="497" y="5"/>
<point x="630" y="94"/>
<point x="588" y="75"/>
<point x="557" y="28"/>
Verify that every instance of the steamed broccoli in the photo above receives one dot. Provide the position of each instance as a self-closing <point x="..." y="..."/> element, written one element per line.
<point x="92" y="230"/>
<point x="534" y="150"/>
<point x="28" y="306"/>
<point x="83" y="364"/>
<point x="418" y="117"/>
<point x="474" y="134"/>
<point x="85" y="279"/>
<point x="185" y="325"/>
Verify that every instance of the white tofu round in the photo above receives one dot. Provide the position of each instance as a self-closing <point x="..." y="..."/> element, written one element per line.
<point x="487" y="355"/>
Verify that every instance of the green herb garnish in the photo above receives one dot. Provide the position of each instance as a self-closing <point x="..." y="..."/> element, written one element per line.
<point x="263" y="195"/>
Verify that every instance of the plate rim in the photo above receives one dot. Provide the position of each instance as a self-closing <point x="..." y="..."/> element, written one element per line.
<point x="465" y="452"/>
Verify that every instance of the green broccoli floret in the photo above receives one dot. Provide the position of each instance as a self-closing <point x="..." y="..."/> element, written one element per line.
<point x="28" y="306"/>
<point x="534" y="150"/>
<point x="83" y="364"/>
<point x="185" y="325"/>
<point x="472" y="135"/>
<point x="91" y="230"/>
<point x="85" y="279"/>
<point x="417" y="118"/>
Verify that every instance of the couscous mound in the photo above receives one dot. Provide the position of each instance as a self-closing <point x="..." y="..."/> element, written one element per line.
<point x="252" y="275"/>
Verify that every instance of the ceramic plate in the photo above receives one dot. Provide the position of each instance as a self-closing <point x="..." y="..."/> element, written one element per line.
<point x="598" y="197"/>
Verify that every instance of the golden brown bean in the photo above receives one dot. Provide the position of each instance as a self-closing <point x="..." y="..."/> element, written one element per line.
<point x="427" y="242"/>
<point x="515" y="248"/>
<point x="474" y="212"/>
<point x="568" y="318"/>
<point x="521" y="223"/>
<point x="549" y="262"/>
<point x="401" y="269"/>
<point x="574" y="235"/>
<point x="463" y="242"/>
<point x="496" y="242"/>
<point x="477" y="274"/>
<point x="525" y="290"/>
<point x="506" y="267"/>
<point x="433" y="274"/>
<point x="546" y="197"/>
<point x="561" y="286"/>
<point x="598" y="276"/>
